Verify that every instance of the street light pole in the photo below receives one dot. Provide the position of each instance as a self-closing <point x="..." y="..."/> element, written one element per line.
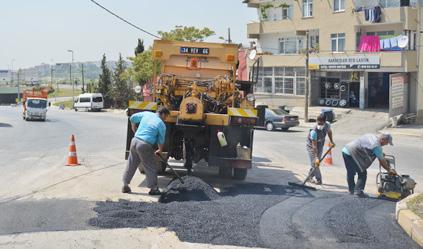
<point x="70" y="78"/>
<point x="11" y="73"/>
<point x="19" y="90"/>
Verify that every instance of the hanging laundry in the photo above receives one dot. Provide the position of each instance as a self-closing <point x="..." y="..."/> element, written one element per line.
<point x="369" y="43"/>
<point x="386" y="44"/>
<point x="366" y="14"/>
<point x="373" y="15"/>
<point x="394" y="42"/>
<point x="377" y="14"/>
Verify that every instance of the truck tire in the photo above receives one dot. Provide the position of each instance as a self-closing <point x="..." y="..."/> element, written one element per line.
<point x="225" y="172"/>
<point x="240" y="174"/>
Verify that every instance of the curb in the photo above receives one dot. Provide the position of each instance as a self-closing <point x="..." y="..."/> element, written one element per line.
<point x="411" y="223"/>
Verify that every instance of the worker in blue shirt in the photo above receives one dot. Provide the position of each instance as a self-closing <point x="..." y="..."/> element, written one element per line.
<point x="149" y="130"/>
<point x="315" y="144"/>
<point x="359" y="155"/>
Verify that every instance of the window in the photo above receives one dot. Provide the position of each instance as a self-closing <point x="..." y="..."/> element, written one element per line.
<point x="267" y="85"/>
<point x="300" y="86"/>
<point x="286" y="12"/>
<point x="97" y="99"/>
<point x="282" y="80"/>
<point x="290" y="45"/>
<point x="307" y="8"/>
<point x="338" y="5"/>
<point x="338" y="42"/>
<point x="36" y="103"/>
<point x="84" y="100"/>
<point x="314" y="41"/>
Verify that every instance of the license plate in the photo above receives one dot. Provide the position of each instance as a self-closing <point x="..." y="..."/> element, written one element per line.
<point x="191" y="50"/>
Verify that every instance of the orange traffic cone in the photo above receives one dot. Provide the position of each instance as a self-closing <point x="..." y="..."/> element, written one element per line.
<point x="72" y="158"/>
<point x="328" y="159"/>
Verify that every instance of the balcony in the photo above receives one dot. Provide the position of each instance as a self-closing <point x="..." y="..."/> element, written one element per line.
<point x="296" y="60"/>
<point x="267" y="27"/>
<point x="253" y="30"/>
<point x="406" y="17"/>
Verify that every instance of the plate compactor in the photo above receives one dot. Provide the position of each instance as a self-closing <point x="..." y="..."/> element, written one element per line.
<point x="394" y="187"/>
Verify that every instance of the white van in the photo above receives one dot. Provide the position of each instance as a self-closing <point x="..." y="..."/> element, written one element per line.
<point x="89" y="102"/>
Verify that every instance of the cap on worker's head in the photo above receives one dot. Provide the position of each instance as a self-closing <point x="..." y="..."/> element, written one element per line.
<point x="387" y="137"/>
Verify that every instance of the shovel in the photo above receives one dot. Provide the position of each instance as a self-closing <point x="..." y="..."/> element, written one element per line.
<point x="173" y="170"/>
<point x="311" y="173"/>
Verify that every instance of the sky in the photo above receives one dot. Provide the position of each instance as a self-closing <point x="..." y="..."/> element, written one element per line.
<point x="41" y="31"/>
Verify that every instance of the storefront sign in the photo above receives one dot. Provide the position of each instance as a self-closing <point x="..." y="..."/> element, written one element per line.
<point x="398" y="94"/>
<point x="350" y="62"/>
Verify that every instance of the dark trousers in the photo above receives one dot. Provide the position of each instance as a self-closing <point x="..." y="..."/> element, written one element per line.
<point x="352" y="170"/>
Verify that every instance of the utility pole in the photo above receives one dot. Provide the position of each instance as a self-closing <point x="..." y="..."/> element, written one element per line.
<point x="229" y="35"/>
<point x="70" y="78"/>
<point x="19" y="90"/>
<point x="307" y="86"/>
<point x="51" y="76"/>
<point x="11" y="73"/>
<point x="83" y="78"/>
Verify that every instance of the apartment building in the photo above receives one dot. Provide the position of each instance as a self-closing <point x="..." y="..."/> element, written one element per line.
<point x="362" y="54"/>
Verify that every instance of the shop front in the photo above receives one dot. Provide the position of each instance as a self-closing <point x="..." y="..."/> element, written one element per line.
<point x="356" y="81"/>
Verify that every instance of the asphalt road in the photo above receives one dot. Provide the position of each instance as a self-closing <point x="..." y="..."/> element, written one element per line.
<point x="33" y="156"/>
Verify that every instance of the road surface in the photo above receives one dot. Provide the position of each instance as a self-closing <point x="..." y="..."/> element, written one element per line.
<point x="41" y="200"/>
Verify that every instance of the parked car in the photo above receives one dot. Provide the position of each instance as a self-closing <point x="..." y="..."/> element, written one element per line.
<point x="272" y="119"/>
<point x="89" y="102"/>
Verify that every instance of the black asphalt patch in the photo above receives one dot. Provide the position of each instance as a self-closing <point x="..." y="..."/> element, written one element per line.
<point x="232" y="219"/>
<point x="349" y="224"/>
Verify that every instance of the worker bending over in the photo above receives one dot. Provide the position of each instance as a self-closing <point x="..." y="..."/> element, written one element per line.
<point x="151" y="131"/>
<point x="315" y="144"/>
<point x="359" y="155"/>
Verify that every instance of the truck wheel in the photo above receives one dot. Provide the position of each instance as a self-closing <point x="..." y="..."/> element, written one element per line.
<point x="225" y="172"/>
<point x="76" y="109"/>
<point x="240" y="174"/>
<point x="270" y="126"/>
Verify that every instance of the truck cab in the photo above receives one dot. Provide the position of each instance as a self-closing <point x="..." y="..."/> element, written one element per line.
<point x="35" y="105"/>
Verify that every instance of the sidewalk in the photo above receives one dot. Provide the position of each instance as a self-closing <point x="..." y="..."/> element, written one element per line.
<point x="406" y="130"/>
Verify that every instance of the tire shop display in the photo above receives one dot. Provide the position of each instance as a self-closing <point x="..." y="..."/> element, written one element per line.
<point x="334" y="92"/>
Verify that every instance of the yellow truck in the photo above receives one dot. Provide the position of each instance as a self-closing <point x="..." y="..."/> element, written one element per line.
<point x="212" y="114"/>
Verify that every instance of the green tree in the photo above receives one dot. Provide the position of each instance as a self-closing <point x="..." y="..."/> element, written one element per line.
<point x="140" y="47"/>
<point x="184" y="33"/>
<point x="105" y="83"/>
<point x="121" y="91"/>
<point x="141" y="70"/>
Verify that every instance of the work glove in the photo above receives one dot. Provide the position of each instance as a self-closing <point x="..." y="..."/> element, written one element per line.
<point x="316" y="163"/>
<point x="392" y="172"/>
<point x="332" y="144"/>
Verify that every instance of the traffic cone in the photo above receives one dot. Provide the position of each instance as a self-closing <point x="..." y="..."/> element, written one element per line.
<point x="72" y="158"/>
<point x="328" y="159"/>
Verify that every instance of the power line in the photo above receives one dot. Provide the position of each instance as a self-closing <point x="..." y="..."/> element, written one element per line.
<point x="122" y="19"/>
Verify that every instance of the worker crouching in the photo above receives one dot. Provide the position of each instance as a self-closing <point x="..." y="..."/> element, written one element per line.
<point x="358" y="157"/>
<point x="149" y="130"/>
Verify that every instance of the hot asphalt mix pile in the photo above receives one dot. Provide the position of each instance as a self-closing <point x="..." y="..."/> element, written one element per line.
<point x="193" y="189"/>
